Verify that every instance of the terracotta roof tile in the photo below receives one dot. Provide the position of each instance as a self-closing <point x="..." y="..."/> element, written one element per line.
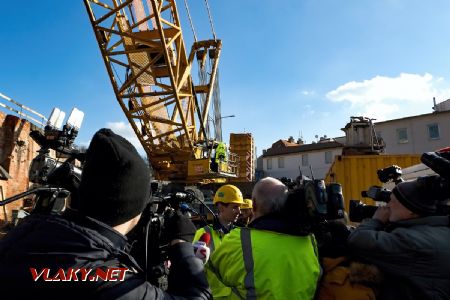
<point x="280" y="147"/>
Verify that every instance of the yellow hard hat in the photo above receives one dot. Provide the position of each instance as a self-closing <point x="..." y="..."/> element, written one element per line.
<point x="228" y="194"/>
<point x="248" y="204"/>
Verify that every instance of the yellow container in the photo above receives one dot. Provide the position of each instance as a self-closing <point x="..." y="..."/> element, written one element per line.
<point x="357" y="173"/>
<point x="198" y="167"/>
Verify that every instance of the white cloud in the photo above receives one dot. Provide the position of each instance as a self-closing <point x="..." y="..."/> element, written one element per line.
<point x="308" y="92"/>
<point x="385" y="96"/>
<point x="125" y="130"/>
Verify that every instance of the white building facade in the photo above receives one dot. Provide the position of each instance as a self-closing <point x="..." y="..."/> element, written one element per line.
<point x="286" y="159"/>
<point x="416" y="134"/>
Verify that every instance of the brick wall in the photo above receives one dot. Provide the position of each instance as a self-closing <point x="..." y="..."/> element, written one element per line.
<point x="17" y="150"/>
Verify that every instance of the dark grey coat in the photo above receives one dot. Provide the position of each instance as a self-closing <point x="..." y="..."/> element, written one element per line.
<point x="75" y="241"/>
<point x="414" y="256"/>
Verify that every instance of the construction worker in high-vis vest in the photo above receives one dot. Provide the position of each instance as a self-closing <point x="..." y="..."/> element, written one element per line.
<point x="221" y="153"/>
<point x="268" y="259"/>
<point x="246" y="213"/>
<point x="228" y="200"/>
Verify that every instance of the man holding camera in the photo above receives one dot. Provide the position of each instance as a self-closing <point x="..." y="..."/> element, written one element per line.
<point x="409" y="243"/>
<point x="267" y="259"/>
<point x="84" y="253"/>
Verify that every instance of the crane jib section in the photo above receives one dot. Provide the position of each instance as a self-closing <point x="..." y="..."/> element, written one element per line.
<point x="142" y="46"/>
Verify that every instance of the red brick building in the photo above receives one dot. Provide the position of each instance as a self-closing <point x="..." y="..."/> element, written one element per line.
<point x="17" y="150"/>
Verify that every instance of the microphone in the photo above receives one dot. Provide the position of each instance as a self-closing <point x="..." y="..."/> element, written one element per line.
<point x="186" y="196"/>
<point x="206" y="237"/>
<point x="201" y="248"/>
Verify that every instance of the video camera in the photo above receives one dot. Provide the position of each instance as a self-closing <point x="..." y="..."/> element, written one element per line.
<point x="54" y="181"/>
<point x="436" y="186"/>
<point x="150" y="244"/>
<point x="311" y="203"/>
<point x="392" y="173"/>
<point x="313" y="207"/>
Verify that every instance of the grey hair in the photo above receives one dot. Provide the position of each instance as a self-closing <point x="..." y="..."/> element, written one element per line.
<point x="270" y="195"/>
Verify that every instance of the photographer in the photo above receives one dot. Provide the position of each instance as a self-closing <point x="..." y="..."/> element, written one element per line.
<point x="409" y="243"/>
<point x="49" y="256"/>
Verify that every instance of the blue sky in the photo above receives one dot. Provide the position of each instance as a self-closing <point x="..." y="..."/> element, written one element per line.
<point x="288" y="68"/>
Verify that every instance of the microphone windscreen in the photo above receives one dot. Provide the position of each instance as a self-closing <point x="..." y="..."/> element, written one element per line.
<point x="206" y="237"/>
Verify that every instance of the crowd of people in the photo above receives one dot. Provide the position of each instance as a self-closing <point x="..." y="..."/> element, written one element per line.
<point x="402" y="252"/>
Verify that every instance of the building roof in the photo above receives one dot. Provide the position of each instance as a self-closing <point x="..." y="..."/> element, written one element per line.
<point x="283" y="147"/>
<point x="414" y="117"/>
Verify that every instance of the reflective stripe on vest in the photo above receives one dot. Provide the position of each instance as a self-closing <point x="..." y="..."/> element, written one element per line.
<point x="249" y="280"/>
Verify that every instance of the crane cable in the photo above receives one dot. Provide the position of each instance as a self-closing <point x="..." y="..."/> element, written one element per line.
<point x="190" y="20"/>
<point x="210" y="20"/>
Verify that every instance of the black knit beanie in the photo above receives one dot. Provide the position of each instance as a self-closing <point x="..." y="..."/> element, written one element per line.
<point x="415" y="198"/>
<point x="115" y="183"/>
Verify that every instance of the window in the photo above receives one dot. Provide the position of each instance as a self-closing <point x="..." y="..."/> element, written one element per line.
<point x="280" y="162"/>
<point x="269" y="163"/>
<point x="402" y="135"/>
<point x="328" y="157"/>
<point x="433" y="131"/>
<point x="305" y="160"/>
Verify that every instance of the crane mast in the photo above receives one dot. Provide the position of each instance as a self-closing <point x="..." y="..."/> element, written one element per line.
<point x="144" y="53"/>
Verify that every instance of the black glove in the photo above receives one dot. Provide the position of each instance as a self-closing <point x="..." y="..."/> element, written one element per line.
<point x="178" y="226"/>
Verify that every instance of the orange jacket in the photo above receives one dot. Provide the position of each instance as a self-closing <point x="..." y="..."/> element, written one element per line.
<point x="346" y="282"/>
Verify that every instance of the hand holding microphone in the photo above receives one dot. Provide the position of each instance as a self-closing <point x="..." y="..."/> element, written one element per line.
<point x="201" y="248"/>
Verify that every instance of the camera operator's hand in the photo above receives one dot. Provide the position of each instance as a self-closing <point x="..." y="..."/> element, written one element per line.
<point x="382" y="214"/>
<point x="178" y="226"/>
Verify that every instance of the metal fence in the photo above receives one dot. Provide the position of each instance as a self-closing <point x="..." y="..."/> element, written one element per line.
<point x="23" y="111"/>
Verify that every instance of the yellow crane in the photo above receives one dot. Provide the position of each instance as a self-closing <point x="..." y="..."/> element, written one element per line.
<point x="142" y="45"/>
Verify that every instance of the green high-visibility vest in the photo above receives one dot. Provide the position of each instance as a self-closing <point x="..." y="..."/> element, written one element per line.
<point x="260" y="264"/>
<point x="221" y="152"/>
<point x="216" y="236"/>
<point x="214" y="243"/>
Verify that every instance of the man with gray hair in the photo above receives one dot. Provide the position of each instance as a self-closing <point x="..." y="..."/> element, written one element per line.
<point x="249" y="257"/>
<point x="271" y="194"/>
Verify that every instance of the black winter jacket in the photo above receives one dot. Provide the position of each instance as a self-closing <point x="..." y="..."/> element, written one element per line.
<point x="74" y="241"/>
<point x="414" y="256"/>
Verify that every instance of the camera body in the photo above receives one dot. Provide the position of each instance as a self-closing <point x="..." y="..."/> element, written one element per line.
<point x="359" y="211"/>
<point x="311" y="203"/>
<point x="46" y="171"/>
<point x="391" y="173"/>
<point x="313" y="207"/>
<point x="54" y="181"/>
<point x="150" y="245"/>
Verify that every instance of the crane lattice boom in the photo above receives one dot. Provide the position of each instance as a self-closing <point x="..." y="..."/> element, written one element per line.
<point x="143" y="49"/>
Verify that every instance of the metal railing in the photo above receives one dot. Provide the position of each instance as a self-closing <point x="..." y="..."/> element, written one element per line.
<point x="32" y="116"/>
